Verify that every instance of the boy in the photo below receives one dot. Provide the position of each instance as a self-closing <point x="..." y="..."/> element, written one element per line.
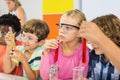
<point x="29" y="54"/>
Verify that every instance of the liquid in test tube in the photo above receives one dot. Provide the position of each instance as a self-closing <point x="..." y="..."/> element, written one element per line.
<point x="13" y="39"/>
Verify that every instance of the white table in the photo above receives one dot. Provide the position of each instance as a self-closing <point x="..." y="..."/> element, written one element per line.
<point x="4" y="76"/>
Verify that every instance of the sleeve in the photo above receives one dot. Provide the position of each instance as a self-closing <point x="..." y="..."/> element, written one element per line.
<point x="36" y="59"/>
<point x="46" y="61"/>
<point x="36" y="64"/>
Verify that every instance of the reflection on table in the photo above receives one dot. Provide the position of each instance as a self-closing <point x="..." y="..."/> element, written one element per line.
<point x="4" y="76"/>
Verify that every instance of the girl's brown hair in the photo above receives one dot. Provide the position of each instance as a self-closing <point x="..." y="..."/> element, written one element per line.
<point x="110" y="25"/>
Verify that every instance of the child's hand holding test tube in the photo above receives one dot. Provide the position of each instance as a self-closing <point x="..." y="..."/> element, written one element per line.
<point x="12" y="40"/>
<point x="13" y="45"/>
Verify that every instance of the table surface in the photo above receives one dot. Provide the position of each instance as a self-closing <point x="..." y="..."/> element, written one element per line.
<point x="4" y="76"/>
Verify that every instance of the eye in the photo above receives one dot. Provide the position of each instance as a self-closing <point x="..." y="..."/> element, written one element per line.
<point x="3" y="33"/>
<point x="60" y="25"/>
<point x="30" y="38"/>
<point x="67" y="27"/>
<point x="23" y="35"/>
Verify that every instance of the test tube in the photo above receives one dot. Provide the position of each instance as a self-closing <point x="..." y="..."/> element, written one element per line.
<point x="13" y="39"/>
<point x="84" y="50"/>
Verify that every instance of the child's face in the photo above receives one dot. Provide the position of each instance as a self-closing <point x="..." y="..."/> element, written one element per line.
<point x="29" y="40"/>
<point x="3" y="31"/>
<point x="98" y="51"/>
<point x="68" y="29"/>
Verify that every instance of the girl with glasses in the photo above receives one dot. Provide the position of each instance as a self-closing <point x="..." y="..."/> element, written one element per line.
<point x="66" y="50"/>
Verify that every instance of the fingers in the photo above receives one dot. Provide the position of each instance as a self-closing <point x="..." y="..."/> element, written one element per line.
<point x="58" y="39"/>
<point x="8" y="38"/>
<point x="51" y="44"/>
<point x="15" y="53"/>
<point x="86" y="29"/>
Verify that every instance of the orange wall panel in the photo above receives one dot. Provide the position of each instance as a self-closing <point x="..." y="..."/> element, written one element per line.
<point x="51" y="20"/>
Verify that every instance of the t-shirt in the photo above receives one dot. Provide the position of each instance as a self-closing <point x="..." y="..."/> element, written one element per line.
<point x="34" y="61"/>
<point x="101" y="70"/>
<point x="2" y="53"/>
<point x="65" y="63"/>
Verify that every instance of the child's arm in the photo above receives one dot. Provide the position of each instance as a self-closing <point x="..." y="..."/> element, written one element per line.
<point x="45" y="67"/>
<point x="31" y="74"/>
<point x="8" y="64"/>
<point x="47" y="58"/>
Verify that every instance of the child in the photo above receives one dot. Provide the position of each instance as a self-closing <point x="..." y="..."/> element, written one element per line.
<point x="29" y="54"/>
<point x="68" y="47"/>
<point x="6" y="21"/>
<point x="100" y="67"/>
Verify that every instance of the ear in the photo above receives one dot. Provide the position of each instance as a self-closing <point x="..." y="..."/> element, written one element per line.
<point x="41" y="42"/>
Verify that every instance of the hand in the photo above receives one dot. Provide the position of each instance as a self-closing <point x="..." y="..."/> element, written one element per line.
<point x="91" y="32"/>
<point x="50" y="44"/>
<point x="17" y="55"/>
<point x="8" y="38"/>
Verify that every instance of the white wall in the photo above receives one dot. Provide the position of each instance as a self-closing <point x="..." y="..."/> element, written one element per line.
<point x="78" y="4"/>
<point x="33" y="8"/>
<point x="94" y="8"/>
<point x="3" y="7"/>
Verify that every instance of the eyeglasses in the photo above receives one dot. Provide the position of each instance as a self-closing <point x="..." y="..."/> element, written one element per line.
<point x="28" y="38"/>
<point x="67" y="25"/>
<point x="2" y="34"/>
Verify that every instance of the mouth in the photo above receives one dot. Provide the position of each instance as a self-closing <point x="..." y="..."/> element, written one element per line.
<point x="61" y="38"/>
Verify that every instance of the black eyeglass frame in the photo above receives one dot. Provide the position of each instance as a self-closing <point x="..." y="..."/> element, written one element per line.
<point x="60" y="24"/>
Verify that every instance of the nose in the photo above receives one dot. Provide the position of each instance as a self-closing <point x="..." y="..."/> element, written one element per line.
<point x="62" y="30"/>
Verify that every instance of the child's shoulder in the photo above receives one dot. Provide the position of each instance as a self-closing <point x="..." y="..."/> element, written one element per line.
<point x="93" y="55"/>
<point x="38" y="50"/>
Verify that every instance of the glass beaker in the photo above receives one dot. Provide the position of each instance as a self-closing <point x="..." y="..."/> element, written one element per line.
<point x="78" y="73"/>
<point x="53" y="72"/>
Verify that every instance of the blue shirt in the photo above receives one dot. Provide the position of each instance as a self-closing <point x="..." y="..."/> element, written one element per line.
<point x="101" y="70"/>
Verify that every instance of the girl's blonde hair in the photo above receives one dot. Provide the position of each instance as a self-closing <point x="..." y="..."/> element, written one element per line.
<point x="110" y="25"/>
<point x="77" y="15"/>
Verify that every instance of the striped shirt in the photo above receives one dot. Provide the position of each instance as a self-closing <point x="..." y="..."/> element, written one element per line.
<point x="101" y="70"/>
<point x="34" y="61"/>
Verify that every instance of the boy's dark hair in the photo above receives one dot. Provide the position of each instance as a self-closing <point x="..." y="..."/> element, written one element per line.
<point x="11" y="20"/>
<point x="37" y="27"/>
